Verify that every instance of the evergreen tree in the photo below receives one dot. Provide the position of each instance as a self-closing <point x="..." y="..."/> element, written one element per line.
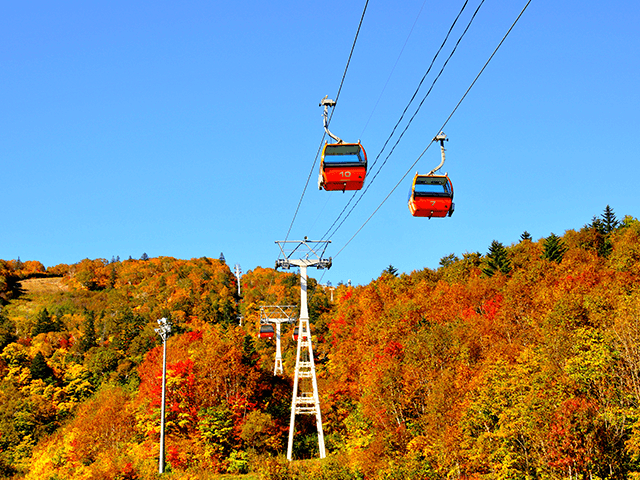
<point x="597" y="225"/>
<point x="7" y="330"/>
<point x="497" y="260"/>
<point x="144" y="257"/>
<point x="525" y="236"/>
<point x="448" y="260"/>
<point x="605" y="249"/>
<point x="112" y="277"/>
<point x="39" y="368"/>
<point x="609" y="221"/>
<point x="249" y="353"/>
<point x="391" y="270"/>
<point x="609" y="224"/>
<point x="221" y="258"/>
<point x="44" y="323"/>
<point x="128" y="327"/>
<point x="58" y="324"/>
<point x="554" y="248"/>
<point x="88" y="339"/>
<point x="600" y="228"/>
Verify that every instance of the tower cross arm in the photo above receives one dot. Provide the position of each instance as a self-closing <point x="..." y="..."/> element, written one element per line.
<point x="304" y="262"/>
<point x="310" y="252"/>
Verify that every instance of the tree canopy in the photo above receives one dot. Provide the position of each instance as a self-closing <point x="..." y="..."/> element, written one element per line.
<point x="521" y="363"/>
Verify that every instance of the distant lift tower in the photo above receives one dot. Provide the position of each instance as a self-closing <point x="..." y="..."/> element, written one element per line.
<point x="238" y="274"/>
<point x="305" y="399"/>
<point x="277" y="314"/>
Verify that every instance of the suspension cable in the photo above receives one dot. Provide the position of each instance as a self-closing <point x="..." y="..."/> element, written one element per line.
<point x="344" y="75"/>
<point x="326" y="234"/>
<point x="375" y="175"/>
<point x="433" y="60"/>
<point x="393" y="69"/>
<point x="441" y="128"/>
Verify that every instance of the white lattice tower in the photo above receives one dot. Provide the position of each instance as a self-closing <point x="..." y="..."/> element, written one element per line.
<point x="305" y="399"/>
<point x="277" y="315"/>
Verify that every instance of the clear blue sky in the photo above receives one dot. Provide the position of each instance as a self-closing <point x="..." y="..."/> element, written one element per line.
<point x="188" y="129"/>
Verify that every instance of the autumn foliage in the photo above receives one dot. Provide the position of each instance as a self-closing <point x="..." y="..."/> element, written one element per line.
<point x="521" y="363"/>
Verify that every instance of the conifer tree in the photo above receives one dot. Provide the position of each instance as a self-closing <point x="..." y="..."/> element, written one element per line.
<point x="391" y="270"/>
<point x="525" y="236"/>
<point x="609" y="221"/>
<point x="39" y="368"/>
<point x="113" y="275"/>
<point x="497" y="260"/>
<point x="88" y="339"/>
<point x="128" y="327"/>
<point x="44" y="323"/>
<point x="554" y="248"/>
<point x="597" y="225"/>
<point x="7" y="330"/>
<point x="448" y="260"/>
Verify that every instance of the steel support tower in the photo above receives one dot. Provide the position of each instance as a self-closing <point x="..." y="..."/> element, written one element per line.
<point x="305" y="399"/>
<point x="277" y="314"/>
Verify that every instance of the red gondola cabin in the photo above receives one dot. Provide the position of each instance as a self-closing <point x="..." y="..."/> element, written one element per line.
<point x="431" y="196"/>
<point x="266" y="331"/>
<point x="295" y="334"/>
<point x="343" y="166"/>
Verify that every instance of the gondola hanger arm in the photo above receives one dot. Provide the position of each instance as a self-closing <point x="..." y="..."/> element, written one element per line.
<point x="441" y="137"/>
<point x="326" y="102"/>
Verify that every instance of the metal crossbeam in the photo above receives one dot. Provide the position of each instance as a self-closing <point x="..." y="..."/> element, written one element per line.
<point x="310" y="250"/>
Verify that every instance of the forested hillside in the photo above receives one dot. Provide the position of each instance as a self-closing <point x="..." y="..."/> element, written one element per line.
<point x="520" y="362"/>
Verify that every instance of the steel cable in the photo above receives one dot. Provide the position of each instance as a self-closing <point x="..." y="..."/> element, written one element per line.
<point x="344" y="75"/>
<point x="412" y="117"/>
<point x="441" y="128"/>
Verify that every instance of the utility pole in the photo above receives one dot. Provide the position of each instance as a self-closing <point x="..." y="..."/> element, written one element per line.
<point x="305" y="398"/>
<point x="277" y="314"/>
<point x="163" y="330"/>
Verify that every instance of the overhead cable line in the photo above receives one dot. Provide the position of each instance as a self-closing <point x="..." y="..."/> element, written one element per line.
<point x="344" y="75"/>
<point x="441" y="128"/>
<point x="433" y="60"/>
<point x="344" y="209"/>
<point x="375" y="175"/>
<point x="393" y="69"/>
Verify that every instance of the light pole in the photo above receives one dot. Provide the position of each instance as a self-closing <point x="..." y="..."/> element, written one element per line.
<point x="163" y="330"/>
